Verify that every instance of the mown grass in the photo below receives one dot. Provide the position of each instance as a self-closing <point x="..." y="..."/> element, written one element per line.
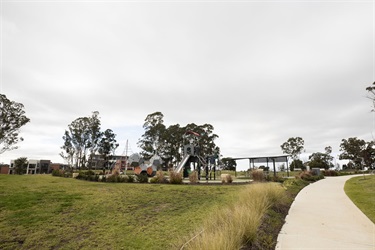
<point x="45" y="212"/>
<point x="361" y="190"/>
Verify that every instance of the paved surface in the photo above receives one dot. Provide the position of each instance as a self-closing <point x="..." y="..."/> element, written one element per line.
<point x="323" y="217"/>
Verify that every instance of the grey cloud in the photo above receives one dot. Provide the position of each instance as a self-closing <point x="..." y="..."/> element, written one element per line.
<point x="258" y="72"/>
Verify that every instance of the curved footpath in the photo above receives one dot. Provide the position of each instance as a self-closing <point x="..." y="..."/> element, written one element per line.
<point x="323" y="217"/>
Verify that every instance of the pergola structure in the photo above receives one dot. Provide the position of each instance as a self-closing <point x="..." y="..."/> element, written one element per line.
<point x="267" y="160"/>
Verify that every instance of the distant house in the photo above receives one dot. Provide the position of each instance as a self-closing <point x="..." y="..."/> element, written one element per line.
<point x="33" y="167"/>
<point x="57" y="166"/>
<point x="98" y="162"/>
<point x="4" y="169"/>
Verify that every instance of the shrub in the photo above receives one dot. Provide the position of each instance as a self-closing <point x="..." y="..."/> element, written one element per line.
<point x="90" y="172"/>
<point x="104" y="178"/>
<point x="130" y="178"/>
<point x="309" y="176"/>
<point x="274" y="178"/>
<point x="111" y="178"/>
<point x="193" y="177"/>
<point x="257" y="175"/>
<point x="142" y="178"/>
<point x="330" y="173"/>
<point x="57" y="172"/>
<point x="159" y="178"/>
<point x="175" y="178"/>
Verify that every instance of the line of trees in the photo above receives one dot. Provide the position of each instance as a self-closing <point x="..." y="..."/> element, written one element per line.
<point x="359" y="152"/>
<point x="168" y="142"/>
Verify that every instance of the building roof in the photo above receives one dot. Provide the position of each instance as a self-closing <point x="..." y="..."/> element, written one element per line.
<point x="264" y="159"/>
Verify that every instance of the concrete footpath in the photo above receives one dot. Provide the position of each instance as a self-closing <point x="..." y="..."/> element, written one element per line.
<point x="323" y="217"/>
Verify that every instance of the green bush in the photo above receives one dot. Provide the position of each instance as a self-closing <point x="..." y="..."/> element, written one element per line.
<point x="330" y="173"/>
<point x="62" y="173"/>
<point x="90" y="173"/>
<point x="57" y="172"/>
<point x="142" y="178"/>
<point x="104" y="178"/>
<point x="175" y="178"/>
<point x="130" y="178"/>
<point x="114" y="178"/>
<point x="274" y="178"/>
<point x="68" y="174"/>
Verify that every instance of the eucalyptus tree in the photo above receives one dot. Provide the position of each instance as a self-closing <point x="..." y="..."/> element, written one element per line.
<point x="371" y="91"/>
<point x="294" y="147"/>
<point x="358" y="151"/>
<point x="94" y="134"/>
<point x="81" y="140"/>
<point x="20" y="165"/>
<point x="322" y="160"/>
<point x="107" y="145"/>
<point x="172" y="144"/>
<point x="12" y="118"/>
<point x="229" y="164"/>
<point x="205" y="138"/>
<point x="151" y="141"/>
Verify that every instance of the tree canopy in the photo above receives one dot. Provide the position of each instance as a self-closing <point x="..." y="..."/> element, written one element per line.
<point x="297" y="163"/>
<point x="84" y="139"/>
<point x="20" y="165"/>
<point x="168" y="142"/>
<point x="12" y="118"/>
<point x="293" y="146"/>
<point x="229" y="164"/>
<point x="371" y="91"/>
<point x="321" y="160"/>
<point x="360" y="152"/>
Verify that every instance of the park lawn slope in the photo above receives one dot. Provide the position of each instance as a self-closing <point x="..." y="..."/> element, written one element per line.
<point x="45" y="212"/>
<point x="361" y="190"/>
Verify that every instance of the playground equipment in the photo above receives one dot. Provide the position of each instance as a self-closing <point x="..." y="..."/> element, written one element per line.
<point x="192" y="156"/>
<point x="145" y="167"/>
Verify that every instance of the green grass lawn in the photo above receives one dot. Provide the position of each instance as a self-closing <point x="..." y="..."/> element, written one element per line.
<point x="361" y="190"/>
<point x="45" y="212"/>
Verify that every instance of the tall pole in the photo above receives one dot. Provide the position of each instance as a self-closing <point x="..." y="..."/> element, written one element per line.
<point x="126" y="156"/>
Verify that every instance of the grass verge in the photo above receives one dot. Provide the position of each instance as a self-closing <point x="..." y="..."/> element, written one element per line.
<point x="361" y="190"/>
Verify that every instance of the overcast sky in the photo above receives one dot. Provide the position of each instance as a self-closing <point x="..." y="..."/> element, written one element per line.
<point x="260" y="72"/>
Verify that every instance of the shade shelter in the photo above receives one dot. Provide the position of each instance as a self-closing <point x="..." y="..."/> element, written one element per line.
<point x="267" y="160"/>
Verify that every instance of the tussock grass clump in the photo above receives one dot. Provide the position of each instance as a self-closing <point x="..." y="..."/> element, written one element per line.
<point x="175" y="178"/>
<point x="257" y="175"/>
<point x="226" y="178"/>
<point x="193" y="177"/>
<point x="236" y="225"/>
<point x="159" y="178"/>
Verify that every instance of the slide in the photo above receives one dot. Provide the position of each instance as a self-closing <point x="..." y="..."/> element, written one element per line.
<point x="182" y="164"/>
